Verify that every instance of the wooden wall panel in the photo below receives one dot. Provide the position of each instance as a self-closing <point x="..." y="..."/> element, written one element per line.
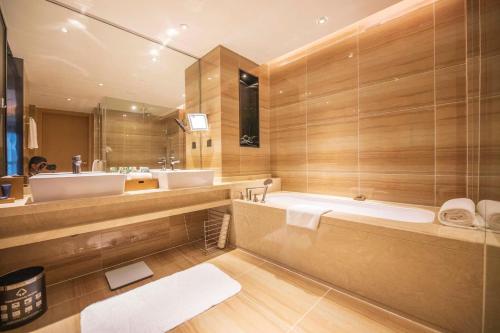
<point x="379" y="108"/>
<point x="220" y="101"/>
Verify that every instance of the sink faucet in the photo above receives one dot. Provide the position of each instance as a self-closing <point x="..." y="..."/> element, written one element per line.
<point x="163" y="162"/>
<point x="173" y="162"/>
<point x="76" y="164"/>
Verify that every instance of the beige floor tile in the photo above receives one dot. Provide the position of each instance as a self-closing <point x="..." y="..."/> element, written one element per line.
<point x="237" y="263"/>
<point x="278" y="291"/>
<point x="237" y="315"/>
<point x="337" y="312"/>
<point x="273" y="299"/>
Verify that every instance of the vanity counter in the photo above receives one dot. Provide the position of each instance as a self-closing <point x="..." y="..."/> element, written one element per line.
<point x="26" y="222"/>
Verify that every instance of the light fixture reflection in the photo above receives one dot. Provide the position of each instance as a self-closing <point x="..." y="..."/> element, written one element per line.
<point x="172" y="32"/>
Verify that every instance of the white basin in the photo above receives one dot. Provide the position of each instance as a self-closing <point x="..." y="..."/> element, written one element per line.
<point x="48" y="187"/>
<point x="183" y="178"/>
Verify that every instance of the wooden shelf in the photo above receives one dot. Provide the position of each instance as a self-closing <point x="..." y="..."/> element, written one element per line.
<point x="103" y="225"/>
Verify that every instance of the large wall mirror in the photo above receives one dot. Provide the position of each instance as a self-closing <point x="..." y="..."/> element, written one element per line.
<point x="86" y="87"/>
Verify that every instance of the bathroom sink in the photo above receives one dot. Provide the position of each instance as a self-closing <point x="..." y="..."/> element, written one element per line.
<point x="48" y="187"/>
<point x="183" y="178"/>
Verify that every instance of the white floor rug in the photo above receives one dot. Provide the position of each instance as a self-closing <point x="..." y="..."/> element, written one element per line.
<point x="161" y="305"/>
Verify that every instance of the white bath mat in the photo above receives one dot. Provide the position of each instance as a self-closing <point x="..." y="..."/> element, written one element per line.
<point x="160" y="305"/>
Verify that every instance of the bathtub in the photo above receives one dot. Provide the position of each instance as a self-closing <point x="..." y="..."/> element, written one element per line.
<point x="350" y="206"/>
<point x="388" y="253"/>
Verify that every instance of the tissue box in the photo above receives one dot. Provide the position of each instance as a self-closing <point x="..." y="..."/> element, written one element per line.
<point x="140" y="184"/>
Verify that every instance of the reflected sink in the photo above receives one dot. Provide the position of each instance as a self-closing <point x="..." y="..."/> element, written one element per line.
<point x="48" y="187"/>
<point x="171" y="179"/>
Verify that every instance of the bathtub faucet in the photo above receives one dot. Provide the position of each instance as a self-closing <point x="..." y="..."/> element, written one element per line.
<point x="268" y="182"/>
<point x="360" y="197"/>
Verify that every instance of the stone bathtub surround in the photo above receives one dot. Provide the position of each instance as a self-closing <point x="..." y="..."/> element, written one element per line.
<point x="75" y="237"/>
<point x="426" y="271"/>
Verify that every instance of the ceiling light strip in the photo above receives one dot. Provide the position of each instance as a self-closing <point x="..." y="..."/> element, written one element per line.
<point x="117" y="26"/>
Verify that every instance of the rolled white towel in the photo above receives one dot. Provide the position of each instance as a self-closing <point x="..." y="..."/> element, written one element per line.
<point x="490" y="211"/>
<point x="458" y="213"/>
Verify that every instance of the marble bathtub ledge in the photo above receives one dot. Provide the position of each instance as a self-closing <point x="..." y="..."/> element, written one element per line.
<point x="449" y="237"/>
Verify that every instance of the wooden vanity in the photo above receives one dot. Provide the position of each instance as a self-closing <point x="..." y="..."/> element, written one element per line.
<point x="78" y="236"/>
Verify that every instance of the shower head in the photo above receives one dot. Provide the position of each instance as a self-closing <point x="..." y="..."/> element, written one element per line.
<point x="180" y="124"/>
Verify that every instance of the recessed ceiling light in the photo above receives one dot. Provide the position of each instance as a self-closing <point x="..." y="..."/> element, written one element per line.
<point x="209" y="78"/>
<point x="184" y="26"/>
<point x="64" y="29"/>
<point x="154" y="59"/>
<point x="154" y="52"/>
<point x="244" y="76"/>
<point x="322" y="20"/>
<point x="351" y="55"/>
<point x="68" y="99"/>
<point x="133" y="107"/>
<point x="172" y="32"/>
<point x="124" y="115"/>
<point x="100" y="84"/>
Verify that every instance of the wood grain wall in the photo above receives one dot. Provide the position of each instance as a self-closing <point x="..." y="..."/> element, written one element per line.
<point x="219" y="85"/>
<point x="379" y="108"/>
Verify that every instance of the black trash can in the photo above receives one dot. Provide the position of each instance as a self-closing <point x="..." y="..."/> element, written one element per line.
<point x="22" y="297"/>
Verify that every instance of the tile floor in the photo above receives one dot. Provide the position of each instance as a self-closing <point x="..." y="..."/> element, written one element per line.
<point x="273" y="299"/>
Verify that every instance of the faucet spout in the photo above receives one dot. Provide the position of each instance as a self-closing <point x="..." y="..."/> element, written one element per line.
<point x="173" y="162"/>
<point x="76" y="164"/>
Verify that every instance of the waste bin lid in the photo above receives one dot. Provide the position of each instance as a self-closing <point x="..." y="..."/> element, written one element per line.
<point x="20" y="275"/>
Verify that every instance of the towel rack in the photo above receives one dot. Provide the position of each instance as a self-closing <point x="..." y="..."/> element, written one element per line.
<point x="212" y="228"/>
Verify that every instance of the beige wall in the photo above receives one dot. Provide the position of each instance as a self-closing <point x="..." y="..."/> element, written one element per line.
<point x="378" y="108"/>
<point x="141" y="139"/>
<point x="220" y="101"/>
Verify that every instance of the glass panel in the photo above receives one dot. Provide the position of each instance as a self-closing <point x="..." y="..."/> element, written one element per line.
<point x="14" y="119"/>
<point x="487" y="17"/>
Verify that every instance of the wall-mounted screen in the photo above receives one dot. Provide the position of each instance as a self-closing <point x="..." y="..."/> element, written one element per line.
<point x="198" y="121"/>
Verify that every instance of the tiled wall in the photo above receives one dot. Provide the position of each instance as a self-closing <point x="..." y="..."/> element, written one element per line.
<point x="488" y="100"/>
<point x="220" y="101"/>
<point x="378" y="108"/>
<point x="141" y="139"/>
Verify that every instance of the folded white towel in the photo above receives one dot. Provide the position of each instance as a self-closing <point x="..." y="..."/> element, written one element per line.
<point x="458" y="213"/>
<point x="490" y="211"/>
<point x="305" y="216"/>
<point x="32" y="135"/>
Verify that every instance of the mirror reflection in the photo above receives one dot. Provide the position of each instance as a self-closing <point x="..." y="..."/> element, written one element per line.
<point x="91" y="89"/>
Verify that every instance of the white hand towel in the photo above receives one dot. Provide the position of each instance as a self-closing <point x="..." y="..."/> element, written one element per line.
<point x="490" y="211"/>
<point x="305" y="216"/>
<point x="458" y="213"/>
<point x="32" y="135"/>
